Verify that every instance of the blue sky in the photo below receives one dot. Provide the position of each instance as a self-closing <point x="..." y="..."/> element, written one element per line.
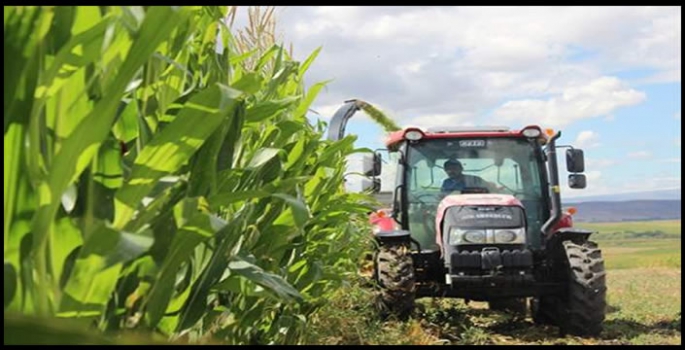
<point x="608" y="77"/>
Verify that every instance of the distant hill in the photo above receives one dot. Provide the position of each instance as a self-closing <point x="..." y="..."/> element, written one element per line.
<point x="637" y="210"/>
<point x="616" y="210"/>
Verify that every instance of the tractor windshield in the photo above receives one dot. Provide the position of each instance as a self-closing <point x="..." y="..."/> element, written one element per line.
<point x="493" y="165"/>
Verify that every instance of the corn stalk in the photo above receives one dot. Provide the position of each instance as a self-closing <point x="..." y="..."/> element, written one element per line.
<point x="153" y="183"/>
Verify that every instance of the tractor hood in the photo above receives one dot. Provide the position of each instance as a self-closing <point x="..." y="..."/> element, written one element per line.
<point x="481" y="199"/>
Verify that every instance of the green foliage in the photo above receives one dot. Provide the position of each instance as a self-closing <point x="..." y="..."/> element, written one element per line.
<point x="155" y="184"/>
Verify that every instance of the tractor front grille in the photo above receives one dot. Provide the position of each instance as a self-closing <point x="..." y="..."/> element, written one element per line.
<point x="490" y="259"/>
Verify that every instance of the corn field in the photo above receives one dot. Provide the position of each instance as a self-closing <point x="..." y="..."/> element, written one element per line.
<point x="161" y="176"/>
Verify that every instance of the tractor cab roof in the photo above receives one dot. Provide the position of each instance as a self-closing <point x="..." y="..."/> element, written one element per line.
<point x="395" y="138"/>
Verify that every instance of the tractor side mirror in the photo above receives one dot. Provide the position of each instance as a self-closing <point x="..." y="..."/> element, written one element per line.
<point x="577" y="181"/>
<point x="371" y="164"/>
<point x="374" y="185"/>
<point x="575" y="161"/>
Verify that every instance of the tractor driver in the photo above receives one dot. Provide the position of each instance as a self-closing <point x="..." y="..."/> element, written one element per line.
<point x="458" y="181"/>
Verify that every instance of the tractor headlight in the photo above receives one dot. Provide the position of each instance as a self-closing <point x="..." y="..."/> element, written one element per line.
<point x="460" y="236"/>
<point x="531" y="132"/>
<point x="495" y="236"/>
<point x="413" y="134"/>
<point x="517" y="235"/>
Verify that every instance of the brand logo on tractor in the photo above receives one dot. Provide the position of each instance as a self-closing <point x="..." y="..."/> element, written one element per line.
<point x="488" y="216"/>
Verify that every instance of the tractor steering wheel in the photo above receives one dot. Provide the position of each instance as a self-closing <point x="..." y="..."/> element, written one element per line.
<point x="419" y="197"/>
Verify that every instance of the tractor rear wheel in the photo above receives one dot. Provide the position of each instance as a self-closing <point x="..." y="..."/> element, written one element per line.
<point x="582" y="310"/>
<point x="396" y="279"/>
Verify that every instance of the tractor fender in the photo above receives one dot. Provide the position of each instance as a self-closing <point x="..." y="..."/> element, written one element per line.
<point x="385" y="229"/>
<point x="393" y="237"/>
<point x="392" y="234"/>
<point x="573" y="234"/>
<point x="565" y="222"/>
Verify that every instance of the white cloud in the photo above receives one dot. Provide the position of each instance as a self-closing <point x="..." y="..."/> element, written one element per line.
<point x="598" y="97"/>
<point x="587" y="139"/>
<point x="593" y="175"/>
<point x="640" y="155"/>
<point x="664" y="77"/>
<point x="658" y="45"/>
<point x="599" y="185"/>
<point x="466" y="60"/>
<point x="677" y="141"/>
<point x="410" y="69"/>
<point x="650" y="183"/>
<point x="447" y="119"/>
<point x="677" y="115"/>
<point x="324" y="112"/>
<point x="599" y="163"/>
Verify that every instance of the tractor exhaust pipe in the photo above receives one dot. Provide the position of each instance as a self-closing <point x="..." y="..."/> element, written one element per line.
<point x="554" y="190"/>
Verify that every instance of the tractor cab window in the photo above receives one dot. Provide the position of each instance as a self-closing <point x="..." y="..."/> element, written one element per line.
<point x="491" y="165"/>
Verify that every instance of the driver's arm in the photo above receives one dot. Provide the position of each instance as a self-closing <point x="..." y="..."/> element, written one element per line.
<point x="491" y="186"/>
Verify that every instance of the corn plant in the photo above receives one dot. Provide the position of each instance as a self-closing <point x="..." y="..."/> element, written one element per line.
<point x="154" y="183"/>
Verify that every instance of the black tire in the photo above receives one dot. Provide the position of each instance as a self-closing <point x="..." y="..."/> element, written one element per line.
<point x="516" y="306"/>
<point x="582" y="310"/>
<point x="396" y="279"/>
<point x="585" y="307"/>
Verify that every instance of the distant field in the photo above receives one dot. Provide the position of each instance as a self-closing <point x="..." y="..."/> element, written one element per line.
<point x="628" y="254"/>
<point x="633" y="229"/>
<point x="638" y="244"/>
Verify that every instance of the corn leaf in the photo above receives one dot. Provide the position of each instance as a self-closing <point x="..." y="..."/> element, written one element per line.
<point x="80" y="147"/>
<point x="174" y="146"/>
<point x="95" y="271"/>
<point x="256" y="274"/>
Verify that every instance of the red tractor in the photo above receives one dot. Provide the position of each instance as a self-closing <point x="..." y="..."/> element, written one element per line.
<point x="492" y="231"/>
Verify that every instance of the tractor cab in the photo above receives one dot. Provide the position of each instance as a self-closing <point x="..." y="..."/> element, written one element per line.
<point x="493" y="160"/>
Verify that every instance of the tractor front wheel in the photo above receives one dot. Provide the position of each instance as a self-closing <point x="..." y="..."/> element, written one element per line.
<point x="396" y="279"/>
<point x="585" y="307"/>
<point x="582" y="310"/>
